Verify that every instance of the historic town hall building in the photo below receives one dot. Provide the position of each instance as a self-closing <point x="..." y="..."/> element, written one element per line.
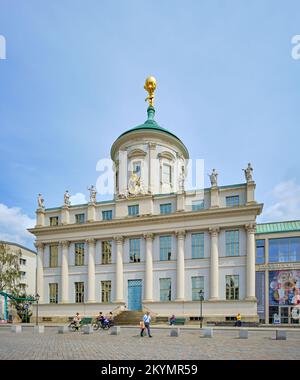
<point x="155" y="246"/>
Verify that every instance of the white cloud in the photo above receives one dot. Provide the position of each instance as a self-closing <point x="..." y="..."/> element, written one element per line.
<point x="14" y="224"/>
<point x="286" y="205"/>
<point x="78" y="199"/>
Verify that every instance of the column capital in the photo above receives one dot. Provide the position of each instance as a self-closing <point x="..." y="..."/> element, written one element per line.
<point x="39" y="245"/>
<point x="148" y="236"/>
<point x="180" y="234"/>
<point x="251" y="228"/>
<point x="214" y="231"/>
<point x="90" y="241"/>
<point x="118" y="239"/>
<point x="64" y="243"/>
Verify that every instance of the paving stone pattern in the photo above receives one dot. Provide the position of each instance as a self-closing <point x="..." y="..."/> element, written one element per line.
<point x="129" y="345"/>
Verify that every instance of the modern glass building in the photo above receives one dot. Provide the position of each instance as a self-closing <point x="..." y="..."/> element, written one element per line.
<point x="278" y="272"/>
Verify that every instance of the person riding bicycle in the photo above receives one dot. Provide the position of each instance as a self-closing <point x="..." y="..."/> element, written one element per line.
<point x="76" y="321"/>
<point x="110" y="319"/>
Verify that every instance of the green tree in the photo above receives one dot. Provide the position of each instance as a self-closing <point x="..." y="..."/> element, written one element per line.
<point x="10" y="274"/>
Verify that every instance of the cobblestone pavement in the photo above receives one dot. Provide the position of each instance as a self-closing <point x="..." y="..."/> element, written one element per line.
<point x="129" y="345"/>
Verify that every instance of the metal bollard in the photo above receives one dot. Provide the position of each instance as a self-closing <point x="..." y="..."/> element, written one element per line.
<point x="115" y="330"/>
<point x="208" y="333"/>
<point x="175" y="332"/>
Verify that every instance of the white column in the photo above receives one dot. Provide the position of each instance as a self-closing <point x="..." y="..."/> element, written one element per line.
<point x="214" y="264"/>
<point x="180" y="266"/>
<point x="119" y="269"/>
<point x="40" y="271"/>
<point x="148" y="286"/>
<point x="250" y="288"/>
<point x="91" y="270"/>
<point x="64" y="271"/>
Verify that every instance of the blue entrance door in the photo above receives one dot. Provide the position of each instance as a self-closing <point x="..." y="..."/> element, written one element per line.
<point x="134" y="294"/>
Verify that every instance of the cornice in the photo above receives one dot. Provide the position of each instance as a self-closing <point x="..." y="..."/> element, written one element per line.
<point x="152" y="219"/>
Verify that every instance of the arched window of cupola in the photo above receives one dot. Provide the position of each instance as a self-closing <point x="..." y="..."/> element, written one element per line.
<point x="135" y="161"/>
<point x="166" y="163"/>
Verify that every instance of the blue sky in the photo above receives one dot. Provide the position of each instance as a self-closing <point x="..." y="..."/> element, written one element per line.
<point x="73" y="78"/>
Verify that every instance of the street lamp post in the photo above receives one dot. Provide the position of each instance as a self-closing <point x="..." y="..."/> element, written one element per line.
<point x="37" y="297"/>
<point x="201" y="299"/>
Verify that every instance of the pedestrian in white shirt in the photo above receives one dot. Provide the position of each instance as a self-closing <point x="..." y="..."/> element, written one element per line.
<point x="147" y="320"/>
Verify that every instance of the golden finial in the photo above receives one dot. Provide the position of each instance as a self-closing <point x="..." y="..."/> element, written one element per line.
<point x="150" y="86"/>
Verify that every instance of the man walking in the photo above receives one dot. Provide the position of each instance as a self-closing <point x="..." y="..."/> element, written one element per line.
<point x="147" y="320"/>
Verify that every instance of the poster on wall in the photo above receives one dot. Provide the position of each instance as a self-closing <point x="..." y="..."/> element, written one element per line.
<point x="284" y="287"/>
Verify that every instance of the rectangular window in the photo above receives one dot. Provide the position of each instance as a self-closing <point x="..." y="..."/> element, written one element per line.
<point x="232" y="243"/>
<point x="260" y="251"/>
<point x="79" y="254"/>
<point x="53" y="256"/>
<point x="53" y="293"/>
<point x="22" y="274"/>
<point x="79" y="292"/>
<point x="198" y="246"/>
<point x="53" y="220"/>
<point x="165" y="247"/>
<point x="232" y="201"/>
<point x="284" y="249"/>
<point x="137" y="168"/>
<point x="197" y="285"/>
<point x="107" y="215"/>
<point x="106" y="252"/>
<point x="232" y="287"/>
<point x="198" y="205"/>
<point x="22" y="261"/>
<point x="79" y="218"/>
<point x="166" y="208"/>
<point x="165" y="289"/>
<point x="166" y="174"/>
<point x="134" y="250"/>
<point x="133" y="210"/>
<point x="105" y="291"/>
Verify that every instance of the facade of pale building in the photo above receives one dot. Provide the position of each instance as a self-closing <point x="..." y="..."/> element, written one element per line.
<point x="155" y="246"/>
<point x="27" y="262"/>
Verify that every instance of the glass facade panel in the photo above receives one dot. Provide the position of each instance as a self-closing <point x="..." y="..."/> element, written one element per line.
<point x="134" y="250"/>
<point x="198" y="246"/>
<point x="284" y="249"/>
<point x="165" y="247"/>
<point x="79" y="254"/>
<point x="232" y="287"/>
<point x="107" y="215"/>
<point x="166" y="208"/>
<point x="197" y="285"/>
<point x="133" y="210"/>
<point x="260" y="294"/>
<point x="232" y="243"/>
<point x="165" y="289"/>
<point x="260" y="251"/>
